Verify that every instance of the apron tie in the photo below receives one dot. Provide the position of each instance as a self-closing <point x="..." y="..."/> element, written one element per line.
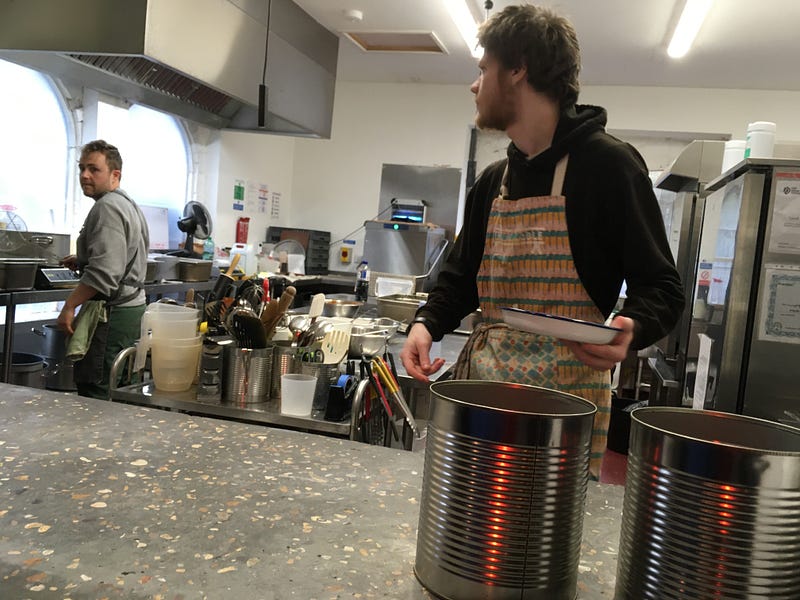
<point x="476" y="342"/>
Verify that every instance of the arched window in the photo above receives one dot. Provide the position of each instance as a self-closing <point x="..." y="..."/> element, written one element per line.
<point x="155" y="163"/>
<point x="34" y="152"/>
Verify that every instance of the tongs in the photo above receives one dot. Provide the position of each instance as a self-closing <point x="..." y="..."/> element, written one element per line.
<point x="385" y="374"/>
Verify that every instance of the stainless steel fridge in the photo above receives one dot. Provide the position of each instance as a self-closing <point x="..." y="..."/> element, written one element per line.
<point x="748" y="357"/>
<point x="681" y="191"/>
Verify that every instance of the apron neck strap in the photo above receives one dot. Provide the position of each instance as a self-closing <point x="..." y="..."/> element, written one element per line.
<point x="558" y="178"/>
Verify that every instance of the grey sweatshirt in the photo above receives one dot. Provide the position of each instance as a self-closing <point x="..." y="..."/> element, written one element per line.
<point x="112" y="248"/>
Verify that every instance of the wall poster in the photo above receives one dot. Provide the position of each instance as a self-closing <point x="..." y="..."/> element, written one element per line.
<point x="785" y="234"/>
<point x="780" y="310"/>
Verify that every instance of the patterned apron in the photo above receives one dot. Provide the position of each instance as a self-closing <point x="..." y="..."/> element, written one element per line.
<point x="527" y="263"/>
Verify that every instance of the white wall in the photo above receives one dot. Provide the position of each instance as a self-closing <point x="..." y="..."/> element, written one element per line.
<point x="337" y="181"/>
<point x="256" y="159"/>
<point x="334" y="184"/>
<point x="695" y="109"/>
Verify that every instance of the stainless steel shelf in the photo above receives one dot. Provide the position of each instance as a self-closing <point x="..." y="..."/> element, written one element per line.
<point x="267" y="413"/>
<point x="13" y="299"/>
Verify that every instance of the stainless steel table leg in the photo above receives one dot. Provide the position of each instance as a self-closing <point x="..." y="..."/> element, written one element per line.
<point x="8" y="340"/>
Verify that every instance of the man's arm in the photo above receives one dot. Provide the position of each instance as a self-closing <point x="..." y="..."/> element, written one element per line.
<point x="79" y="295"/>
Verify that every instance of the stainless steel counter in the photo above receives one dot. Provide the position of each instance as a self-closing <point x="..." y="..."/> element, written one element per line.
<point x="13" y="299"/>
<point x="268" y="413"/>
<point x="265" y="413"/>
<point x="106" y="500"/>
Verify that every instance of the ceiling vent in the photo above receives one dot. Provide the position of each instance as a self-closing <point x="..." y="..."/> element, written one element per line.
<point x="424" y="42"/>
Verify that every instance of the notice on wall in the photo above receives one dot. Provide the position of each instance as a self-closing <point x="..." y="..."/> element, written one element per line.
<point x="780" y="310"/>
<point x="262" y="198"/>
<point x="720" y="278"/>
<point x="275" y="205"/>
<point x="785" y="234"/>
<point x="238" y="194"/>
<point x="701" y="376"/>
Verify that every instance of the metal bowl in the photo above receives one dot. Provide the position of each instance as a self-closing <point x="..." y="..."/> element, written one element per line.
<point x="364" y="341"/>
<point x="341" y="308"/>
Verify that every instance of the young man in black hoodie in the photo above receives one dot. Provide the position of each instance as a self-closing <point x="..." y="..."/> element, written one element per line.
<point x="554" y="228"/>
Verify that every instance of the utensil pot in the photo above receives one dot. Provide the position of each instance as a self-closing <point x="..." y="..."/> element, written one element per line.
<point x="503" y="493"/>
<point x="327" y="375"/>
<point x="283" y="362"/>
<point x="712" y="508"/>
<point x="247" y="374"/>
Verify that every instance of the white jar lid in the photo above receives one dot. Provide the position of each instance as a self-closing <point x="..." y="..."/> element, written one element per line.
<point x="762" y="126"/>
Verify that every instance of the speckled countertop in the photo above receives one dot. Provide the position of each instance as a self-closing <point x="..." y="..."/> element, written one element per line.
<point x="107" y="500"/>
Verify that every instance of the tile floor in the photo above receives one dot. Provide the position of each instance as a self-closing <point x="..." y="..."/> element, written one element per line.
<point x="614" y="469"/>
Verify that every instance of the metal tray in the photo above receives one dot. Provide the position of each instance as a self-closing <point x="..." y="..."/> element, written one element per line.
<point x="401" y="307"/>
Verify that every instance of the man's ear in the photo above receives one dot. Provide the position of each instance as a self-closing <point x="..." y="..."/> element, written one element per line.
<point x="519" y="74"/>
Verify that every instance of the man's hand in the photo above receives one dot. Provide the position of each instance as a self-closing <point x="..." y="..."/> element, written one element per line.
<point x="604" y="357"/>
<point x="71" y="262"/>
<point x="415" y="355"/>
<point x="65" y="319"/>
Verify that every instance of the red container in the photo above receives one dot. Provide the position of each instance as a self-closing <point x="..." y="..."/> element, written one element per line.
<point x="242" y="226"/>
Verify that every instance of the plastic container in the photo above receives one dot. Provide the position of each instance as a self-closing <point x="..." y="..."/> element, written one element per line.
<point x="760" y="140"/>
<point x="297" y="394"/>
<point x="362" y="281"/>
<point x="175" y="363"/>
<point x="734" y="153"/>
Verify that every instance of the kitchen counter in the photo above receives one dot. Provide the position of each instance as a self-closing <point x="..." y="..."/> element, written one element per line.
<point x="13" y="299"/>
<point x="101" y="499"/>
<point x="268" y="413"/>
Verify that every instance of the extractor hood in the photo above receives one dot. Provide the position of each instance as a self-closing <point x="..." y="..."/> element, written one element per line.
<point x="697" y="164"/>
<point x="198" y="59"/>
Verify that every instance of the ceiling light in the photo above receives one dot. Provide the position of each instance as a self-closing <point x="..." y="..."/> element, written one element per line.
<point x="462" y="17"/>
<point x="694" y="12"/>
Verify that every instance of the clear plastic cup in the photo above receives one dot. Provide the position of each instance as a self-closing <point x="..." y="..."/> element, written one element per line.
<point x="297" y="394"/>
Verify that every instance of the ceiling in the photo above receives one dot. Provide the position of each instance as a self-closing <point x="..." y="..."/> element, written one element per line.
<point x="743" y="44"/>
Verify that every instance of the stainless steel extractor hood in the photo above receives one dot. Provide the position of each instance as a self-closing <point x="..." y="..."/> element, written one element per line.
<point x="198" y="59"/>
<point x="698" y="163"/>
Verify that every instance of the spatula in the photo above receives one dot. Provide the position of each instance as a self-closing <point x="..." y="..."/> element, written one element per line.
<point x="317" y="306"/>
<point x="335" y="346"/>
<point x="246" y="328"/>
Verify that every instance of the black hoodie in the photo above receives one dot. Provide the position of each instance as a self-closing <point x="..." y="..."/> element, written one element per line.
<point x="615" y="227"/>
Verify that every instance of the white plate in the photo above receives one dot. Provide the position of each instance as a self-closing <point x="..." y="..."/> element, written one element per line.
<point x="559" y="327"/>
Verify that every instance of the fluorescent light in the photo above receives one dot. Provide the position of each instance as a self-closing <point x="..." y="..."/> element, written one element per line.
<point x="463" y="19"/>
<point x="694" y="12"/>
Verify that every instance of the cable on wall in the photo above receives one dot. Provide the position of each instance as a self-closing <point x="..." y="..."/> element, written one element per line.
<point x="262" y="88"/>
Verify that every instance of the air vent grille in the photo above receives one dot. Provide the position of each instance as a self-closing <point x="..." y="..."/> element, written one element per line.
<point x="159" y="78"/>
<point x="397" y="41"/>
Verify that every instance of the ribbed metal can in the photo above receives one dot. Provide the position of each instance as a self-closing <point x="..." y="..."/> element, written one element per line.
<point x="283" y="362"/>
<point x="247" y="375"/>
<point x="503" y="492"/>
<point x="712" y="508"/>
<point x="326" y="375"/>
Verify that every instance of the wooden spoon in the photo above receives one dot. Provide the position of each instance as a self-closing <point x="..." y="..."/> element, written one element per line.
<point x="282" y="306"/>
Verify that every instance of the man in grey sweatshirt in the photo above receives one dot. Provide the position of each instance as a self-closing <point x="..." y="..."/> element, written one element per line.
<point x="112" y="258"/>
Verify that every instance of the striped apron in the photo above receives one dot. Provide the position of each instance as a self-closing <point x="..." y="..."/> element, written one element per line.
<point x="527" y="263"/>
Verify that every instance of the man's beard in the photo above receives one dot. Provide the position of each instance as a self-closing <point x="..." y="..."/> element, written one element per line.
<point x="499" y="115"/>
